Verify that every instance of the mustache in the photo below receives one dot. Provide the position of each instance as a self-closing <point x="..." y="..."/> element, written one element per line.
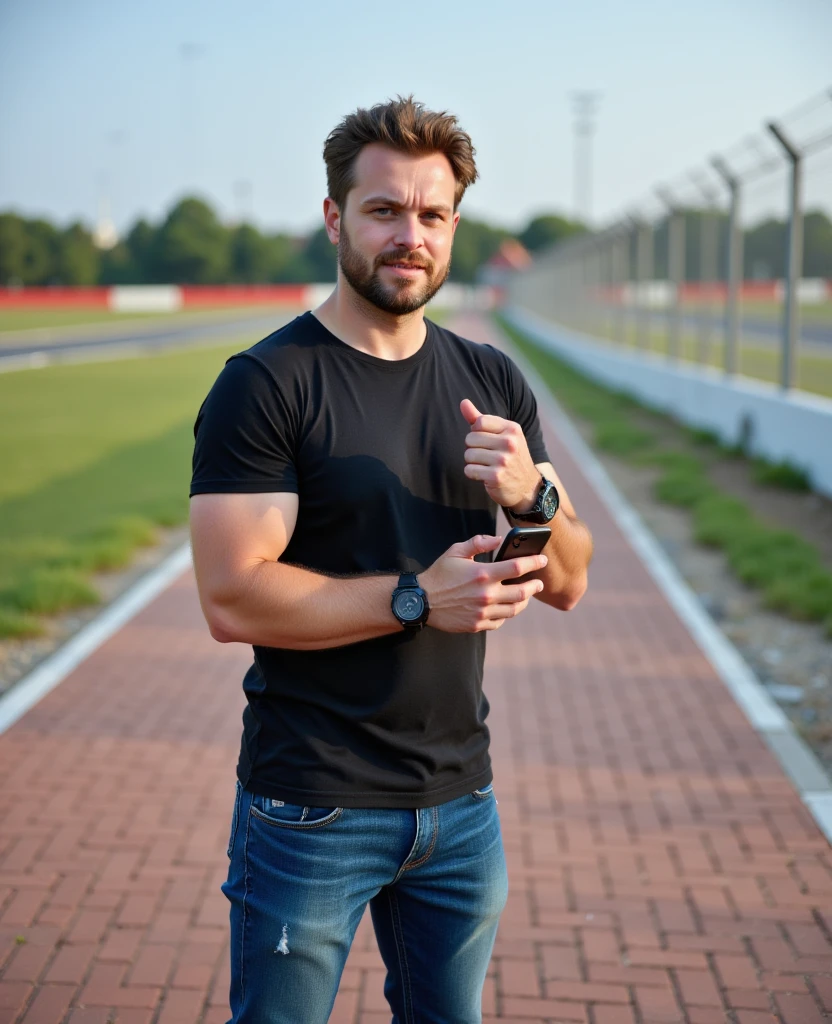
<point x="404" y="257"/>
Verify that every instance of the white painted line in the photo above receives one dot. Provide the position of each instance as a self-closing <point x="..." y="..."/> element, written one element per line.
<point x="54" y="669"/>
<point x="820" y="805"/>
<point x="730" y="666"/>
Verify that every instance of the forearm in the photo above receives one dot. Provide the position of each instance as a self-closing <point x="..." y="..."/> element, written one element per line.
<point x="569" y="551"/>
<point x="280" y="605"/>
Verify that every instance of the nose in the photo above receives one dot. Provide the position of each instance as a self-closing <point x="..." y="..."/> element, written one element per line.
<point x="408" y="233"/>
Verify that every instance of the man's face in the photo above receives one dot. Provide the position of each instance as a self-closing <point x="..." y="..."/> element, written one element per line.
<point x="394" y="235"/>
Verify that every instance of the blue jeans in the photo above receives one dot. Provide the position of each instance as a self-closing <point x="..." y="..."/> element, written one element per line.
<point x="300" y="878"/>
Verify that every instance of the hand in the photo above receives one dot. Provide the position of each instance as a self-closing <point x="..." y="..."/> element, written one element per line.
<point x="496" y="453"/>
<point x="467" y="596"/>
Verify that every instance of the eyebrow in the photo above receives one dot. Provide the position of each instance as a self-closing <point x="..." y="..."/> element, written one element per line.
<point x="387" y="201"/>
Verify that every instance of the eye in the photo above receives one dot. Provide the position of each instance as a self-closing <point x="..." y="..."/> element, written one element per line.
<point x="383" y="210"/>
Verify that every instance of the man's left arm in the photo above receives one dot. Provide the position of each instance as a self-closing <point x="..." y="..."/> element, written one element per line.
<point x="569" y="549"/>
<point x="497" y="454"/>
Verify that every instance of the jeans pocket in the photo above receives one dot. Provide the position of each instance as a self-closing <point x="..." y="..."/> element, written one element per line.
<point x="294" y="816"/>
<point x="484" y="794"/>
<point x="235" y="820"/>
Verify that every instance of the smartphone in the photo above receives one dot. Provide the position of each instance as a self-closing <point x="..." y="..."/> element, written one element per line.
<point x="523" y="540"/>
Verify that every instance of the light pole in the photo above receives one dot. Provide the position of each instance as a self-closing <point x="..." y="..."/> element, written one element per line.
<point x="584" y="104"/>
<point x="189" y="53"/>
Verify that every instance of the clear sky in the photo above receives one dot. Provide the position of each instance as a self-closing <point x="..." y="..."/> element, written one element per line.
<point x="148" y="100"/>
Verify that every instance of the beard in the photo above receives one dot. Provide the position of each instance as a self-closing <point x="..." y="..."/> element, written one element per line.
<point x="399" y="297"/>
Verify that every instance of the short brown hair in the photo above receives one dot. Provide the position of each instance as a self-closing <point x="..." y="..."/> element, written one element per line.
<point x="402" y="124"/>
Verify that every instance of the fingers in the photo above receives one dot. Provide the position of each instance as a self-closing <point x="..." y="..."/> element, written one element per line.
<point x="486" y="456"/>
<point x="519" y="593"/>
<point x="493" y="425"/>
<point x="514" y="567"/>
<point x="469" y="411"/>
<point x="481" y="422"/>
<point x="483" y="439"/>
<point x="477" y="545"/>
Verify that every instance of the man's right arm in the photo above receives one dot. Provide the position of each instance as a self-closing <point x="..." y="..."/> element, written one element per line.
<point x="248" y="596"/>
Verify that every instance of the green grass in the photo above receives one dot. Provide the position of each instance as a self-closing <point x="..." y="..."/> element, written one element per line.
<point x="785" y="569"/>
<point x="781" y="474"/>
<point x="95" y="456"/>
<point x="22" y="319"/>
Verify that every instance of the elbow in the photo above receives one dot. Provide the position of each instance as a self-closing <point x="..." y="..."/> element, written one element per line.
<point x="568" y="597"/>
<point x="221" y="623"/>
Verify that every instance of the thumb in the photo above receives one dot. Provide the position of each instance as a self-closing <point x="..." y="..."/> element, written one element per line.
<point x="469" y="411"/>
<point x="475" y="546"/>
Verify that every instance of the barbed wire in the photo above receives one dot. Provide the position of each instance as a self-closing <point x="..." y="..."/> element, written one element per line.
<point x="754" y="157"/>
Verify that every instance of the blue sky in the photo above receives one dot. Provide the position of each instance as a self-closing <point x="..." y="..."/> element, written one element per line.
<point x="98" y="97"/>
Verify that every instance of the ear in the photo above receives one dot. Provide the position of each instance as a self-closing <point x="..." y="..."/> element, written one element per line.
<point x="332" y="220"/>
<point x="456" y="221"/>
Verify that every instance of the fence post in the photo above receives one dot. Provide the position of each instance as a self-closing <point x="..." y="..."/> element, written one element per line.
<point x="621" y="257"/>
<point x="675" y="269"/>
<point x="788" y="362"/>
<point x="644" y="271"/>
<point x="732" y="303"/>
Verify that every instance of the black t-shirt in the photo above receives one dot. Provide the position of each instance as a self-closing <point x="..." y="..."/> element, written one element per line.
<point x="374" y="448"/>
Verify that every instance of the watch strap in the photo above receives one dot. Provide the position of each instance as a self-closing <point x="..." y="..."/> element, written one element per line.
<point x="408" y="579"/>
<point x="535" y="513"/>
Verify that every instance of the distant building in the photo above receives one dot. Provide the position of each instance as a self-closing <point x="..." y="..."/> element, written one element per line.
<point x="510" y="258"/>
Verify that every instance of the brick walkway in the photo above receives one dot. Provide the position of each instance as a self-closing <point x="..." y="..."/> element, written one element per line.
<point x="662" y="868"/>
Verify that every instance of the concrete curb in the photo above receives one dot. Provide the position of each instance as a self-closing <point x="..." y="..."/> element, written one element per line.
<point x="51" y="672"/>
<point x="797" y="760"/>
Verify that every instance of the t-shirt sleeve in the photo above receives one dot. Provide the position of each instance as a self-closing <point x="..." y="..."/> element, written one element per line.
<point x="523" y="410"/>
<point x="244" y="434"/>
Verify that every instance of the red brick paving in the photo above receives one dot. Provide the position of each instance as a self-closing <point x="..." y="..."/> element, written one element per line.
<point x="662" y="867"/>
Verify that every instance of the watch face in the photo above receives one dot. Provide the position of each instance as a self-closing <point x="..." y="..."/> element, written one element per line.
<point x="550" y="503"/>
<point x="409" y="605"/>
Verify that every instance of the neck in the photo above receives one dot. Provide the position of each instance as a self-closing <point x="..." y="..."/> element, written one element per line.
<point x="369" y="329"/>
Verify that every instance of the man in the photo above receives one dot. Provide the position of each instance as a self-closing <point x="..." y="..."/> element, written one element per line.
<point x="346" y="476"/>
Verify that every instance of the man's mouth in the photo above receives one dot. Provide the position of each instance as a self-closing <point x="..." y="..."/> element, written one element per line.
<point x="405" y="266"/>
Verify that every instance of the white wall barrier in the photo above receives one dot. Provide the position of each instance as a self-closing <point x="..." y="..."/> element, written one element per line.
<point x="145" y="298"/>
<point x="793" y="426"/>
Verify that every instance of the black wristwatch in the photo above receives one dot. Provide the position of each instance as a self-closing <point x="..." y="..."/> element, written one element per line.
<point x="544" y="508"/>
<point x="410" y="602"/>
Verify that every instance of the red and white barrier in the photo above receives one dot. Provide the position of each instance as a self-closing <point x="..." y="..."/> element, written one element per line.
<point x="168" y="298"/>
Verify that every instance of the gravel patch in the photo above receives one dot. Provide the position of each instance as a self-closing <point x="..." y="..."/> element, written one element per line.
<point x="793" y="660"/>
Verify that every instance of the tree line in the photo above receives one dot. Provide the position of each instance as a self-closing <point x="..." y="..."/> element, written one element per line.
<point x="191" y="245"/>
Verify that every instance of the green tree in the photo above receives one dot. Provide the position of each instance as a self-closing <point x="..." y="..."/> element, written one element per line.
<point x="765" y="250"/>
<point x="251" y="255"/>
<point x="40" y="265"/>
<point x="191" y="247"/>
<point x="817" y="245"/>
<point x="78" y="259"/>
<point x="475" y="242"/>
<point x="320" y="256"/>
<point x="116" y="266"/>
<point x="140" y="246"/>
<point x="13" y="245"/>
<point x="548" y="229"/>
<point x="288" y="264"/>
